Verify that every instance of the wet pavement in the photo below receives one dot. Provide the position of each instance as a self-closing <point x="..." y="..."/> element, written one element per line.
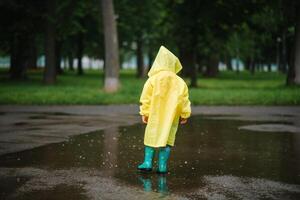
<point x="215" y="157"/>
<point x="24" y="130"/>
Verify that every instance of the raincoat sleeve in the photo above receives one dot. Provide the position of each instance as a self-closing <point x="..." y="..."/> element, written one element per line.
<point x="145" y="99"/>
<point x="186" y="104"/>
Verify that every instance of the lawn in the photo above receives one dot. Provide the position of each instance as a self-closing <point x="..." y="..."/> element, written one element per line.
<point x="228" y="88"/>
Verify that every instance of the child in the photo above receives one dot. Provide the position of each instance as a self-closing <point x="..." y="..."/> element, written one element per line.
<point x="165" y="102"/>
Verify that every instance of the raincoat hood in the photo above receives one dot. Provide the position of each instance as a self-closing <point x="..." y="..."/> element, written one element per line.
<point x="165" y="61"/>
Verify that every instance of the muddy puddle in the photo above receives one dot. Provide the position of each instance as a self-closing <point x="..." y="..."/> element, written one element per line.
<point x="212" y="159"/>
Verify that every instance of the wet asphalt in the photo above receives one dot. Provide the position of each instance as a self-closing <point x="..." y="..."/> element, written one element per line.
<point x="229" y="156"/>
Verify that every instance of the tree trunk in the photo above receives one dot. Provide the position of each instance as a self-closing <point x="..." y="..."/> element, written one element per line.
<point x="121" y="60"/>
<point x="212" y="68"/>
<point x="186" y="61"/>
<point x="258" y="66"/>
<point x="278" y="55"/>
<point x="79" y="53"/>
<point x="139" y="59"/>
<point x="111" y="80"/>
<point x="15" y="71"/>
<point x="150" y="57"/>
<point x="70" y="60"/>
<point x="65" y="61"/>
<point x="188" y="58"/>
<point x="199" y="64"/>
<point x="58" y="68"/>
<point x="252" y="66"/>
<point x="291" y="67"/>
<point x="269" y="67"/>
<point x="284" y="54"/>
<point x="32" y="49"/>
<point x="13" y="54"/>
<point x="50" y="71"/>
<point x="247" y="64"/>
<point x="297" y="47"/>
<point x="19" y="56"/>
<point x="228" y="63"/>
<point x="193" y="75"/>
<point x="237" y="65"/>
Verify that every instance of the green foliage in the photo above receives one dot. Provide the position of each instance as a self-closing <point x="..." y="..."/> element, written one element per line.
<point x="139" y="21"/>
<point x="227" y="89"/>
<point x="202" y="33"/>
<point x="241" y="43"/>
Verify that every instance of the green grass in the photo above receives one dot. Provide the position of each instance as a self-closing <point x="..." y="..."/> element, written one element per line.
<point x="228" y="88"/>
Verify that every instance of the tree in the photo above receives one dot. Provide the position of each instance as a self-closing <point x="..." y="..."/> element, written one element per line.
<point x="111" y="79"/>
<point x="297" y="47"/>
<point x="80" y="47"/>
<point x="50" y="68"/>
<point x="290" y="12"/>
<point x="241" y="46"/>
<point x="139" y="34"/>
<point x="202" y="28"/>
<point x="186" y="35"/>
<point x="19" y="22"/>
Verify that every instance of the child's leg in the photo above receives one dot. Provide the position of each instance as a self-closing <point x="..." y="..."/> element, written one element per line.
<point x="147" y="164"/>
<point x="163" y="156"/>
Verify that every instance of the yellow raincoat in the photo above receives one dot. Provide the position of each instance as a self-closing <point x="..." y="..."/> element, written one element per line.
<point x="164" y="100"/>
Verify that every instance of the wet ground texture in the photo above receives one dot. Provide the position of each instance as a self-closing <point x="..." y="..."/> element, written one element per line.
<point x="215" y="157"/>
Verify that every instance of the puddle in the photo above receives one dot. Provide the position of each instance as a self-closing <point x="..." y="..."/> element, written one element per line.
<point x="54" y="113"/>
<point x="38" y="117"/>
<point x="45" y="115"/>
<point x="284" y="128"/>
<point x="212" y="159"/>
<point x="284" y="115"/>
<point x="20" y="123"/>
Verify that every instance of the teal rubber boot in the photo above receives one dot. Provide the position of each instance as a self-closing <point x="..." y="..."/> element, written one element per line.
<point x="147" y="164"/>
<point x="163" y="157"/>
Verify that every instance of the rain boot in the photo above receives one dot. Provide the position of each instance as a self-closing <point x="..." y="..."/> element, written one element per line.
<point x="163" y="156"/>
<point x="147" y="164"/>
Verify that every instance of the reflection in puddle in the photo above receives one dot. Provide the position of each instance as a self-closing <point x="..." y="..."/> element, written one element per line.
<point x="211" y="159"/>
<point x="161" y="184"/>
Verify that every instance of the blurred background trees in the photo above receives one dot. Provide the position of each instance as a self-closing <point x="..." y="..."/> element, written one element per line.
<point x="207" y="35"/>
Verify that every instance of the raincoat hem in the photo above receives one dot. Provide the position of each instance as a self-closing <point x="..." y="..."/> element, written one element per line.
<point x="159" y="145"/>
